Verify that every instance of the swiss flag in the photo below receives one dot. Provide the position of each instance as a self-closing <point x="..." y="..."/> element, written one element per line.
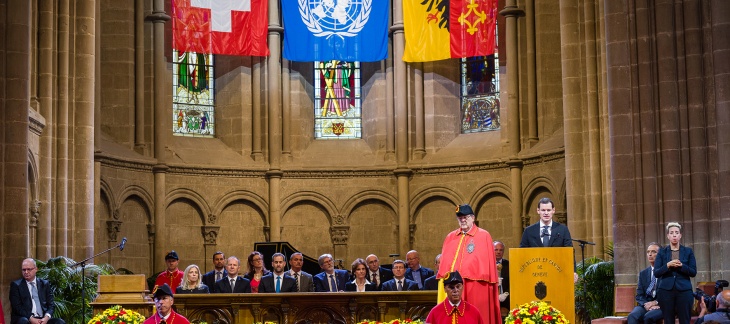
<point x="228" y="27"/>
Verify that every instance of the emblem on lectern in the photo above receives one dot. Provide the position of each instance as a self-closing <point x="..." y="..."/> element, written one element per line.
<point x="540" y="290"/>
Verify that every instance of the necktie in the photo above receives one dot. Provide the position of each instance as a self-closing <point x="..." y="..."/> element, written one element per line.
<point x="652" y="284"/>
<point x="233" y="284"/>
<point x="36" y="300"/>
<point x="545" y="236"/>
<point x="218" y="275"/>
<point x="400" y="285"/>
<point x="278" y="284"/>
<point x="296" y="281"/>
<point x="375" y="278"/>
<point x="333" y="285"/>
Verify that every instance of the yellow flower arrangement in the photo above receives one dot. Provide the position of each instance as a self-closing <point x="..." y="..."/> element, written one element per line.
<point x="117" y="315"/>
<point x="535" y="312"/>
<point x="396" y="321"/>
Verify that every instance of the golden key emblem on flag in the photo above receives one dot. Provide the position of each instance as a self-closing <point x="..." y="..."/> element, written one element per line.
<point x="481" y="17"/>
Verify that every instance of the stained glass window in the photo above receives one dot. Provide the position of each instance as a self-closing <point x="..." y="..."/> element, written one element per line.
<point x="193" y="100"/>
<point x="337" y="100"/>
<point x="480" y="93"/>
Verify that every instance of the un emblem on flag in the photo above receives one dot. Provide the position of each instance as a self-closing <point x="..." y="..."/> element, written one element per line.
<point x="344" y="18"/>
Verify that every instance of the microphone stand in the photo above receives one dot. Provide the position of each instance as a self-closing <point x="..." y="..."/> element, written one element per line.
<point x="83" y="277"/>
<point x="582" y="244"/>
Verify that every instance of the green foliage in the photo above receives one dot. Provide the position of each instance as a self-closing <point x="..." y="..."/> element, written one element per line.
<point x="66" y="286"/>
<point x="596" y="300"/>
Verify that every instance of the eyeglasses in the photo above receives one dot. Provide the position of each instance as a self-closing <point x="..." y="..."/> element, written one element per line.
<point x="28" y="269"/>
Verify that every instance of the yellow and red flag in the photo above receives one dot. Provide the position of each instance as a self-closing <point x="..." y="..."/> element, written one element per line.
<point x="442" y="29"/>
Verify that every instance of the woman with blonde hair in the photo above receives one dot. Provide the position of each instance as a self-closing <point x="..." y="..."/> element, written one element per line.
<point x="192" y="282"/>
<point x="673" y="267"/>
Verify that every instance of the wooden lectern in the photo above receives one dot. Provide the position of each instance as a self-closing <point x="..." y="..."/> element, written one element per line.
<point x="130" y="291"/>
<point x="543" y="274"/>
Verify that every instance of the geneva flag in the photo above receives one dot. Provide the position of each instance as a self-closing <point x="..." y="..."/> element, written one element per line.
<point x="441" y="29"/>
<point x="346" y="30"/>
<point x="228" y="27"/>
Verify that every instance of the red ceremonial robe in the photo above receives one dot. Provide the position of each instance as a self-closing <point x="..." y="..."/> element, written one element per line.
<point x="172" y="279"/>
<point x="174" y="318"/>
<point x="445" y="313"/>
<point x="473" y="256"/>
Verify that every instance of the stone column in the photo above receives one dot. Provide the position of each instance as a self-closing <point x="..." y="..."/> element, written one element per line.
<point x="531" y="71"/>
<point x="286" y="111"/>
<point x="340" y="233"/>
<point x="275" y="128"/>
<point x="210" y="241"/>
<point x="83" y="130"/>
<point x="511" y="12"/>
<point x="389" y="105"/>
<point x="256" y="136"/>
<point x="419" y="151"/>
<point x="62" y="130"/>
<point x="46" y="55"/>
<point x="402" y="172"/>
<point x="140" y="143"/>
<point x="14" y="162"/>
<point x="162" y="130"/>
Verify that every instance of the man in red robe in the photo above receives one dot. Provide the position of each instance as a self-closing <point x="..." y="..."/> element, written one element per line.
<point x="454" y="309"/>
<point x="172" y="276"/>
<point x="163" y="304"/>
<point x="469" y="250"/>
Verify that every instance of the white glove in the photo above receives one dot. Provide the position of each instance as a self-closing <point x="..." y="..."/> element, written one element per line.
<point x="503" y="296"/>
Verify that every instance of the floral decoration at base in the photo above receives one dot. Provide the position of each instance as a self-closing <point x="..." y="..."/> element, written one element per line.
<point x="396" y="321"/>
<point x="535" y="312"/>
<point x="117" y="315"/>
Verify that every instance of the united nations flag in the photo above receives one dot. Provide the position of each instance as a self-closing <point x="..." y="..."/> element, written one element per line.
<point x="345" y="30"/>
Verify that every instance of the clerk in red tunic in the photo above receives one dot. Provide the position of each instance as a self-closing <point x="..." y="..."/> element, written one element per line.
<point x="469" y="250"/>
<point x="454" y="309"/>
<point x="163" y="303"/>
<point x="172" y="276"/>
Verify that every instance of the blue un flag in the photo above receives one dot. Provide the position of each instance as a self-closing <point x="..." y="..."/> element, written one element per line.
<point x="346" y="30"/>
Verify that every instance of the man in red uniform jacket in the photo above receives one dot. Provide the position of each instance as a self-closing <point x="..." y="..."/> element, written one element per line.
<point x="454" y="309"/>
<point x="163" y="304"/>
<point x="172" y="276"/>
<point x="470" y="250"/>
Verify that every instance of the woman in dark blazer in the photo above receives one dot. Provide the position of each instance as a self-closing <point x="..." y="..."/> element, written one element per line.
<point x="673" y="267"/>
<point x="361" y="283"/>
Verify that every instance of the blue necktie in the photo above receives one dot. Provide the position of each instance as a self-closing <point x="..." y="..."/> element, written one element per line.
<point x="278" y="283"/>
<point x="333" y="285"/>
<point x="650" y="290"/>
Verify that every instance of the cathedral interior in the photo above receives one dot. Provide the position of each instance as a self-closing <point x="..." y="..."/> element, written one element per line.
<point x="619" y="111"/>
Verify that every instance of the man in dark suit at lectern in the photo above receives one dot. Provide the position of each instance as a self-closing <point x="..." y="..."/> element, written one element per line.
<point x="546" y="232"/>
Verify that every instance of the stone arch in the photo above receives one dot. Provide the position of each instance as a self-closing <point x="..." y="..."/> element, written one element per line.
<point x="220" y="205"/>
<point x="535" y="185"/>
<point x="106" y="191"/>
<point x="32" y="177"/>
<point x="377" y="195"/>
<point x="488" y="189"/>
<point x="434" y="192"/>
<point x="310" y="196"/>
<point x="187" y="194"/>
<point x="142" y="194"/>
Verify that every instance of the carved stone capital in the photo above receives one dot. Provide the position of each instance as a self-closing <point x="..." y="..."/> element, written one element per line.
<point x="340" y="234"/>
<point x="116" y="213"/>
<point x="412" y="234"/>
<point x="561" y="217"/>
<point x="525" y="221"/>
<point x="210" y="234"/>
<point x="35" y="212"/>
<point x="267" y="233"/>
<point x="150" y="233"/>
<point x="112" y="229"/>
<point x="338" y="220"/>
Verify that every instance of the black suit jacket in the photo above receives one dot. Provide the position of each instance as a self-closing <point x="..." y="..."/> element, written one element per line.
<point x="383" y="276"/>
<point x="391" y="285"/>
<point x="223" y="286"/>
<point x="268" y="284"/>
<point x="321" y="283"/>
<point x="425" y="273"/>
<point x="352" y="286"/>
<point x="22" y="302"/>
<point x="209" y="277"/>
<point x="431" y="283"/>
<point x="668" y="278"/>
<point x="559" y="236"/>
<point x="642" y="285"/>
<point x="505" y="282"/>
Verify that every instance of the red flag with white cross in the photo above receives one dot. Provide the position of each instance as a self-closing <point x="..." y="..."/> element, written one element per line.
<point x="227" y="27"/>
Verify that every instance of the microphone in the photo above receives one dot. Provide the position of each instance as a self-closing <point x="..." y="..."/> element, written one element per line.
<point x="121" y="245"/>
<point x="583" y="242"/>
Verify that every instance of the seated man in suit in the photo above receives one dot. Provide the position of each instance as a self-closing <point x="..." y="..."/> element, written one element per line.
<point x="233" y="283"/>
<point x="431" y="283"/>
<point x="647" y="311"/>
<point x="277" y="280"/>
<point x="377" y="274"/>
<point x="219" y="271"/>
<point x="303" y="279"/>
<point x="503" y="271"/>
<point x="399" y="281"/>
<point x="415" y="271"/>
<point x="31" y="298"/>
<point x="330" y="279"/>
